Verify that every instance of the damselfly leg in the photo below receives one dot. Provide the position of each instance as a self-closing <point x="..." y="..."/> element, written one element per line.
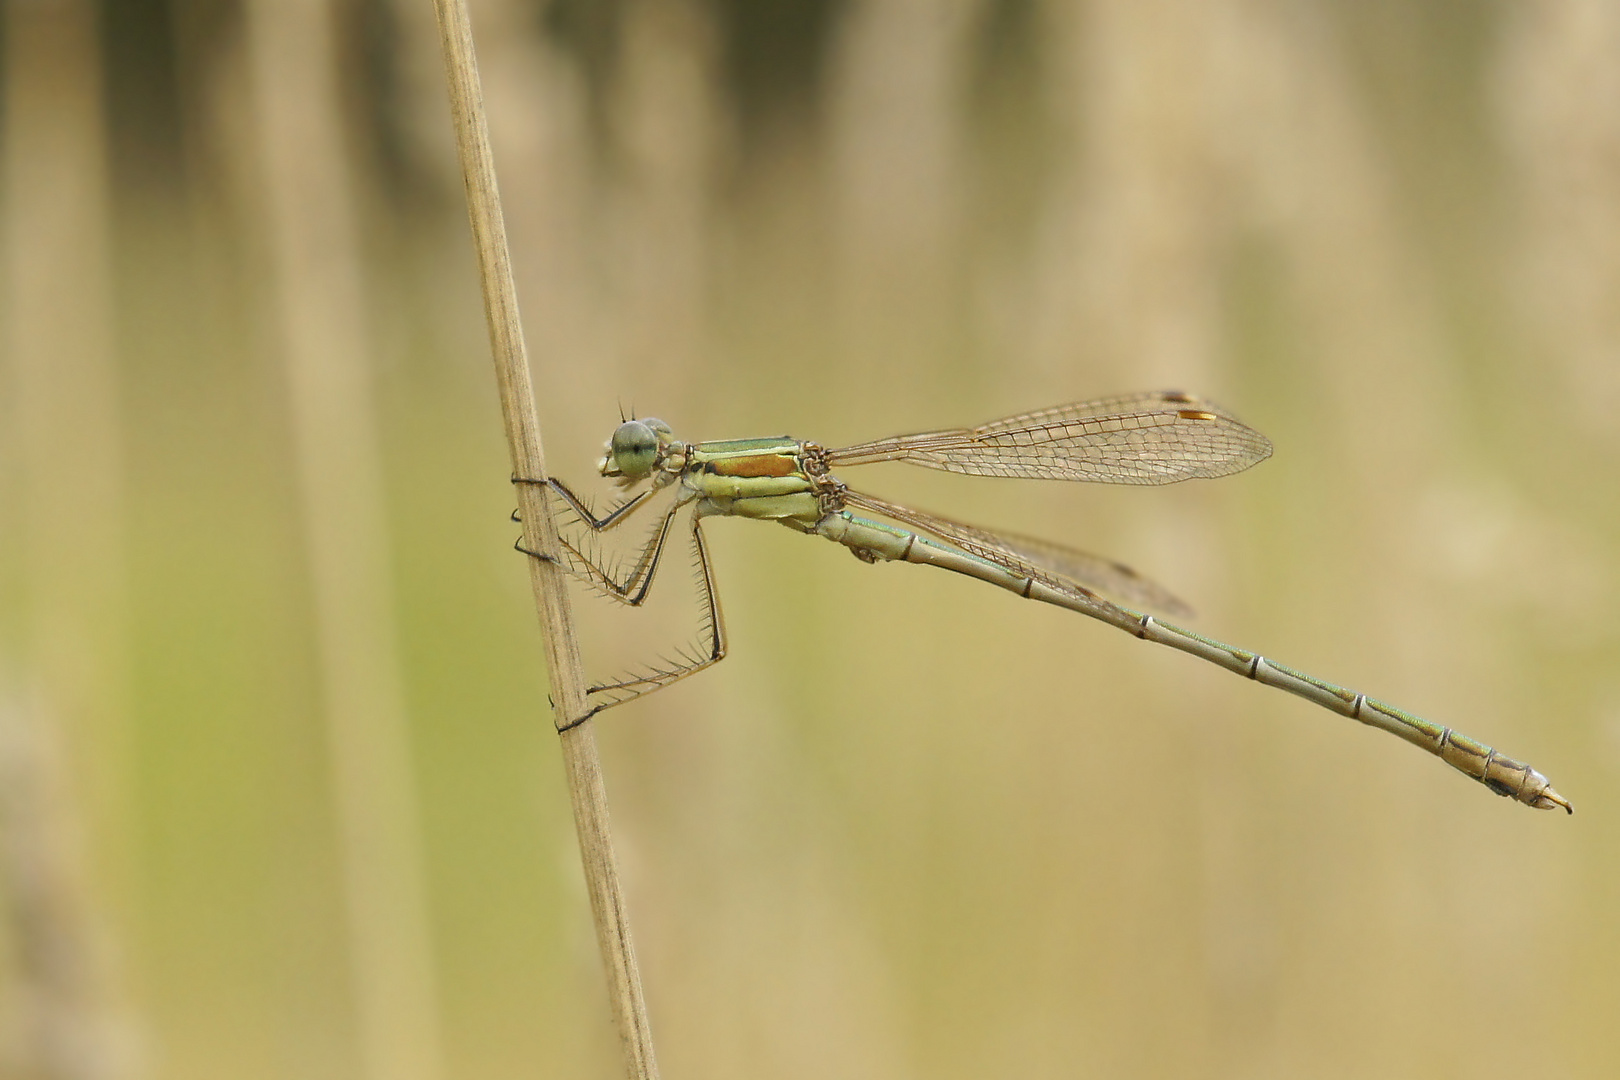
<point x="631" y="588"/>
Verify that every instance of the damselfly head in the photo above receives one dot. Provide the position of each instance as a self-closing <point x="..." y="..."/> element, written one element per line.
<point x="636" y="449"/>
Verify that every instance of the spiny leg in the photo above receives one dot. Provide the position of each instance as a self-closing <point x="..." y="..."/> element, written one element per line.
<point x="712" y="640"/>
<point x="580" y="508"/>
<point x="632" y="589"/>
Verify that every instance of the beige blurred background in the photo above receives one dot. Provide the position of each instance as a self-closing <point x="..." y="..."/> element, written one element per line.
<point x="281" y="797"/>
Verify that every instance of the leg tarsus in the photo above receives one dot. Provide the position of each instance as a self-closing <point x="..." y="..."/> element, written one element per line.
<point x="531" y="553"/>
<point x="574" y="723"/>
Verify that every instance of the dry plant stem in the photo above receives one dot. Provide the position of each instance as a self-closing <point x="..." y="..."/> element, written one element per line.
<point x="583" y="768"/>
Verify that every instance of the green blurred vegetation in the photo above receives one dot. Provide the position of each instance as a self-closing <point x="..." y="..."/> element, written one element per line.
<point x="912" y="826"/>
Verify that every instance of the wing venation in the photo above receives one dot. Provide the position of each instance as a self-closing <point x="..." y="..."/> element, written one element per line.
<point x="1073" y="572"/>
<point x="1154" y="438"/>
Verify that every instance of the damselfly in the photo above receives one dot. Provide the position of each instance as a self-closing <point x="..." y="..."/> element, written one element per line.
<point x="1152" y="438"/>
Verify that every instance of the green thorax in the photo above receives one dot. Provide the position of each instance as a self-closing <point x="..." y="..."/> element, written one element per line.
<point x="780" y="456"/>
<point x="757" y="478"/>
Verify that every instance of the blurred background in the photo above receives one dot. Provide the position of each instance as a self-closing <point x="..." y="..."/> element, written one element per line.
<point x="279" y="786"/>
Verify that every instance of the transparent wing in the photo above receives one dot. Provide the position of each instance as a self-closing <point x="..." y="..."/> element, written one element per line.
<point x="1065" y="569"/>
<point x="1093" y="571"/>
<point x="1153" y="438"/>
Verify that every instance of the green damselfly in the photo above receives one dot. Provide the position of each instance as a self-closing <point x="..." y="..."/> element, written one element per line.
<point x="1152" y="438"/>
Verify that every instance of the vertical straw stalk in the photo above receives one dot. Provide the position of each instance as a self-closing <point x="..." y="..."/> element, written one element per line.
<point x="312" y="239"/>
<point x="582" y="765"/>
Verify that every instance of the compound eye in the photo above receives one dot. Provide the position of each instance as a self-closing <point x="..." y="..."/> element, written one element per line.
<point x="633" y="451"/>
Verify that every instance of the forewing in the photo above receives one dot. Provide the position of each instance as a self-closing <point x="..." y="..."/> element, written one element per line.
<point x="1153" y="438"/>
